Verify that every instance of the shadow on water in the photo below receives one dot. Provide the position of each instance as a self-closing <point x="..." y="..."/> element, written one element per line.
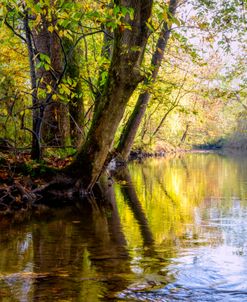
<point x="150" y="261"/>
<point x="129" y="194"/>
<point x="77" y="253"/>
<point x="168" y="230"/>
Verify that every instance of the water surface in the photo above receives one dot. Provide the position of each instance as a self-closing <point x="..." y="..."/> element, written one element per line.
<point x="170" y="229"/>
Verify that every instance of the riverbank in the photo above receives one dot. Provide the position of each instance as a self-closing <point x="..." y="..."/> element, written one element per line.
<point x="180" y="223"/>
<point x="21" y="178"/>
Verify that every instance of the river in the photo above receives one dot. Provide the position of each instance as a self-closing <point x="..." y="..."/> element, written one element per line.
<point x="167" y="229"/>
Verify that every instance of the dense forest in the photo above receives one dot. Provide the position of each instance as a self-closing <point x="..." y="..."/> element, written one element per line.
<point x="83" y="83"/>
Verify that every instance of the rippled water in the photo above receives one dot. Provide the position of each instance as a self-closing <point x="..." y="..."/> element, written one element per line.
<point x="167" y="230"/>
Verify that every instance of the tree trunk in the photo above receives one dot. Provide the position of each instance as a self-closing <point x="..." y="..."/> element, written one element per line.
<point x="129" y="132"/>
<point x="54" y="128"/>
<point x="106" y="53"/>
<point x="76" y="106"/>
<point x="184" y="135"/>
<point x="123" y="78"/>
<point x="162" y="121"/>
<point x="76" y="112"/>
<point x="36" y="148"/>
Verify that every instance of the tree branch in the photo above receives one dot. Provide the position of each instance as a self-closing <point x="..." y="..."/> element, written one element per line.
<point x="14" y="31"/>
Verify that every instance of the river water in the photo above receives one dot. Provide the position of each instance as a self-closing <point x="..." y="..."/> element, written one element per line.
<point x="170" y="229"/>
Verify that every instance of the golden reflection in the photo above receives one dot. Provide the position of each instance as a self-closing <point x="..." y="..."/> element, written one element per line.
<point x="133" y="235"/>
<point x="176" y="192"/>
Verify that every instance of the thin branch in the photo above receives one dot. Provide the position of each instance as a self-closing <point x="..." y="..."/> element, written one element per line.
<point x="14" y="31"/>
<point x="239" y="101"/>
<point x="82" y="37"/>
<point x="174" y="105"/>
<point x="76" y="124"/>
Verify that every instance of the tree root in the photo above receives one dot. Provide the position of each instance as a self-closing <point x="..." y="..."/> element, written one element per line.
<point x="59" y="191"/>
<point x="62" y="190"/>
<point x="15" y="197"/>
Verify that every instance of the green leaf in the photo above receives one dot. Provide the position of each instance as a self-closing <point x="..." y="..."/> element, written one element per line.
<point x="45" y="58"/>
<point x="47" y="67"/>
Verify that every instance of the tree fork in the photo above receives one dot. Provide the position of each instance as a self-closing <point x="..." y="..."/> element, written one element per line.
<point x="130" y="130"/>
<point x="123" y="78"/>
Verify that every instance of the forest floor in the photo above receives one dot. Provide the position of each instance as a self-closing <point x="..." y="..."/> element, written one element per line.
<point x="19" y="176"/>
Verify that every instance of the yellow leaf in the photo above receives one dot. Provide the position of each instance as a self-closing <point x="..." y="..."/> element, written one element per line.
<point x="159" y="50"/>
<point x="38" y="19"/>
<point x="54" y="97"/>
<point x="165" y="17"/>
<point x="51" y="28"/>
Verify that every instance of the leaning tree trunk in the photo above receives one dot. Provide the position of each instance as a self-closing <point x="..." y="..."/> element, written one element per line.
<point x="123" y="78"/>
<point x="129" y="132"/>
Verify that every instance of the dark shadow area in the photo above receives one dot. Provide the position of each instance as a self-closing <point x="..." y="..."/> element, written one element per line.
<point x="76" y="252"/>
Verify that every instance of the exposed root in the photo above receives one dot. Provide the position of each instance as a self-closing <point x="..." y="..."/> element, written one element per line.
<point x="14" y="198"/>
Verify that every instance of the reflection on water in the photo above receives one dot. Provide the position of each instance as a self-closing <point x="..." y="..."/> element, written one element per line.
<point x="168" y="230"/>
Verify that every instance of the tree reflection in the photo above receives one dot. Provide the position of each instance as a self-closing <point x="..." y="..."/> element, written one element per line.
<point x="76" y="253"/>
<point x="150" y="263"/>
<point x="130" y="196"/>
<point x="125" y="235"/>
<point x="84" y="251"/>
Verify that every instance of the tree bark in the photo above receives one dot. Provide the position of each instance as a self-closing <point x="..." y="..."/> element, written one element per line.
<point x="76" y="106"/>
<point x="184" y="135"/>
<point x="54" y="128"/>
<point x="76" y="112"/>
<point x="123" y="78"/>
<point x="36" y="148"/>
<point x="106" y="53"/>
<point x="162" y="120"/>
<point x="129" y="132"/>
